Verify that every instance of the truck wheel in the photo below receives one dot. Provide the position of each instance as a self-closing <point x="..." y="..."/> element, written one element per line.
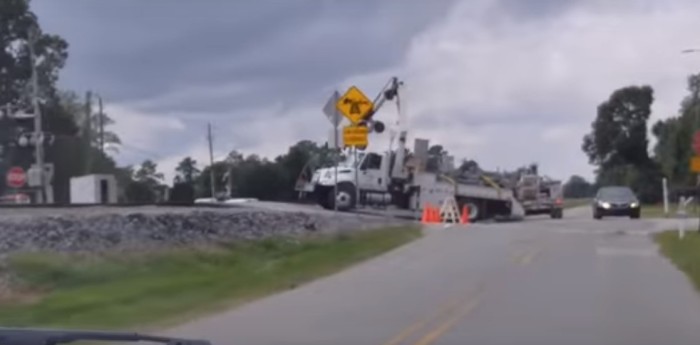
<point x="474" y="210"/>
<point x="345" y="198"/>
<point x="557" y="214"/>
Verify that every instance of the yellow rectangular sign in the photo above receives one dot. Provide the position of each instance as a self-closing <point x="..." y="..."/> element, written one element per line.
<point x="355" y="136"/>
<point x="695" y="164"/>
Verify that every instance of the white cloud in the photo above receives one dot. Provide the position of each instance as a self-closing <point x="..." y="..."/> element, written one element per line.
<point x="528" y="91"/>
<point x="499" y="90"/>
<point x="141" y="133"/>
<point x="182" y="96"/>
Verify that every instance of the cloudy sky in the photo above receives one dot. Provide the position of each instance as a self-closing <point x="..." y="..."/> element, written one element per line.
<point x="504" y="82"/>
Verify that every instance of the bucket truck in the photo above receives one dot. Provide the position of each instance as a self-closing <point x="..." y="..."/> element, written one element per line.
<point x="400" y="179"/>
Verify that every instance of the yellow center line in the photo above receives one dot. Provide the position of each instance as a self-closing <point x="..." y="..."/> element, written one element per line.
<point x="445" y="309"/>
<point x="531" y="256"/>
<point x="528" y="256"/>
<point x="442" y="328"/>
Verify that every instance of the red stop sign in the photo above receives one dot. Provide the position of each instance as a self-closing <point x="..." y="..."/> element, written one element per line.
<point x="16" y="177"/>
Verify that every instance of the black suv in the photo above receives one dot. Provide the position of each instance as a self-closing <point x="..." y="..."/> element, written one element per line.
<point x="615" y="201"/>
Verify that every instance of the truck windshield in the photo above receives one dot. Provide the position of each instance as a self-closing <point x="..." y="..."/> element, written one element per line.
<point x="348" y="160"/>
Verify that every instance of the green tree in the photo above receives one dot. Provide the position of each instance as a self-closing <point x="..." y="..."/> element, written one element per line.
<point x="578" y="187"/>
<point x="619" y="132"/>
<point x="63" y="112"/>
<point x="254" y="177"/>
<point x="16" y="24"/>
<point x="674" y="137"/>
<point x="618" y="142"/>
<point x="299" y="160"/>
<point x="148" y="173"/>
<point x="183" y="190"/>
<point x="100" y="135"/>
<point x="203" y="184"/>
<point x="187" y="171"/>
<point x="145" y="184"/>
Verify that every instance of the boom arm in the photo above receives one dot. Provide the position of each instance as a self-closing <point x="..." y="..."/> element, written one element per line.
<point x="389" y="92"/>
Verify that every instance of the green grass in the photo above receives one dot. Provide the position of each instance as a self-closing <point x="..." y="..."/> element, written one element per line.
<point x="570" y="203"/>
<point x="164" y="288"/>
<point x="657" y="211"/>
<point x="685" y="253"/>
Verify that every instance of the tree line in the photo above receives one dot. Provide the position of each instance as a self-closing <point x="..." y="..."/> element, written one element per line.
<point x="235" y="176"/>
<point x="618" y="144"/>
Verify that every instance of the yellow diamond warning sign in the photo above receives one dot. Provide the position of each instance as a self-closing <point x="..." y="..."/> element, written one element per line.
<point x="355" y="136"/>
<point x="354" y="105"/>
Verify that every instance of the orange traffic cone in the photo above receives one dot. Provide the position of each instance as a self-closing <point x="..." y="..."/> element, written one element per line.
<point x="425" y="217"/>
<point x="465" y="215"/>
<point x="436" y="215"/>
<point x="431" y="215"/>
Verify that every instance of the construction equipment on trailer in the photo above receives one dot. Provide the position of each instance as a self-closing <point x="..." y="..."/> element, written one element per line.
<point x="398" y="178"/>
<point x="538" y="194"/>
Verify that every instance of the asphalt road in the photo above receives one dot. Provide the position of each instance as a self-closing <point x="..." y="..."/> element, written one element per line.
<point x="537" y="282"/>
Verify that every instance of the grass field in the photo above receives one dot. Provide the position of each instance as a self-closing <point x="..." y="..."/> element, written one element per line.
<point x="163" y="288"/>
<point x="685" y="253"/>
<point x="657" y="211"/>
<point x="569" y="203"/>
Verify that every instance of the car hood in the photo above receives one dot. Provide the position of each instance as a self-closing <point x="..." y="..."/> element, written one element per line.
<point x="618" y="200"/>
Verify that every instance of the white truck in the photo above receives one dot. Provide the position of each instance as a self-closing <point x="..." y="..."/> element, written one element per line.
<point x="399" y="179"/>
<point x="381" y="182"/>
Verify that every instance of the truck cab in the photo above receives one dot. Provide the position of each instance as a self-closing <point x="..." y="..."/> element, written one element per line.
<point x="364" y="175"/>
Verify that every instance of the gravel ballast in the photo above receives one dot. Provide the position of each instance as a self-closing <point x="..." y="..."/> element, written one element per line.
<point x="124" y="230"/>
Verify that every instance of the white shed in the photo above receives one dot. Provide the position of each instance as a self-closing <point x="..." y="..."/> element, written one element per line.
<point x="93" y="189"/>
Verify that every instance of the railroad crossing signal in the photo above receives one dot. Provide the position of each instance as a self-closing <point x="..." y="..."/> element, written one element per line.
<point x="354" y="105"/>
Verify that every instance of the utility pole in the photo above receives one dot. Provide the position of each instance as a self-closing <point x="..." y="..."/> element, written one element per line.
<point x="38" y="130"/>
<point x="101" y="119"/>
<point x="229" y="182"/>
<point x="87" y="132"/>
<point x="210" y="139"/>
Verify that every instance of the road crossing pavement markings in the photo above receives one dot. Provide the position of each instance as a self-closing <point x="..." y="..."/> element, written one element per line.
<point x="443" y="328"/>
<point x="435" y="325"/>
<point x="643" y="233"/>
<point x="446" y="316"/>
<point x="526" y="256"/>
<point x="613" y="251"/>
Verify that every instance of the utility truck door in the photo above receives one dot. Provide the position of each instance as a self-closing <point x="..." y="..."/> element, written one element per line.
<point x="371" y="176"/>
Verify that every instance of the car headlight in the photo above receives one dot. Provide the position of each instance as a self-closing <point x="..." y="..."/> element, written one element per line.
<point x="605" y="204"/>
<point x="634" y="205"/>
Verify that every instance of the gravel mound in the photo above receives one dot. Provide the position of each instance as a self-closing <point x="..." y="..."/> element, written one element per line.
<point x="143" y="231"/>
